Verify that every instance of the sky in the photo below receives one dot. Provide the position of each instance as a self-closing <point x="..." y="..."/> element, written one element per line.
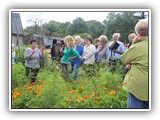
<point x="60" y="16"/>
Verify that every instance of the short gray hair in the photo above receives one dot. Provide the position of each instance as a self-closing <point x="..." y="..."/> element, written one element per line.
<point x="103" y="38"/>
<point x="118" y="34"/>
<point x="78" y="37"/>
<point x="141" y="27"/>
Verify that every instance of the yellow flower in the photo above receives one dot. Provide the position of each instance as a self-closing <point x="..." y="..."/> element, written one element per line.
<point x="40" y="81"/>
<point x="85" y="92"/>
<point x="77" y="100"/>
<point x="112" y="92"/>
<point x="76" y="96"/>
<point x="81" y="99"/>
<point x="74" y="82"/>
<point x="105" y="88"/>
<point x="68" y="100"/>
<point x="118" y="87"/>
<point x="16" y="89"/>
<point x="36" y="92"/>
<point x="97" y="99"/>
<point x="81" y="87"/>
<point x="14" y="97"/>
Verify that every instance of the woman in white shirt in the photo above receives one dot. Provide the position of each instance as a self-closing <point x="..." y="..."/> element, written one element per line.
<point x="89" y="51"/>
<point x="88" y="57"/>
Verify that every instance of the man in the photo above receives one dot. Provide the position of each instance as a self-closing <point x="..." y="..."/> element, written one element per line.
<point x="116" y="47"/>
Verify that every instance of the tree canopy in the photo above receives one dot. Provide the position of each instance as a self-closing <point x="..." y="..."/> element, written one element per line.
<point x="121" y="22"/>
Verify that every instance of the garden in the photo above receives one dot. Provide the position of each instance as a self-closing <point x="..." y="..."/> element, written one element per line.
<point x="51" y="91"/>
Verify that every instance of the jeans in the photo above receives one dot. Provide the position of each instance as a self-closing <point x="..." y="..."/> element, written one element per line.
<point x="133" y="102"/>
<point x="75" y="71"/>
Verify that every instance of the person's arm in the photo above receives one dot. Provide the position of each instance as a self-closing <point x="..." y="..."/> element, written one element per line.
<point x="75" y="53"/>
<point x="122" y="49"/>
<point x="28" y="54"/>
<point x="128" y="56"/>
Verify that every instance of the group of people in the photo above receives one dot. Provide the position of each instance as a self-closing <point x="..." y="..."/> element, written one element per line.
<point x="135" y="57"/>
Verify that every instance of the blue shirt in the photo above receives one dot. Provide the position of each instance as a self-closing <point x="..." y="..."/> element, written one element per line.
<point x="79" y="49"/>
<point x="106" y="54"/>
<point x="120" y="48"/>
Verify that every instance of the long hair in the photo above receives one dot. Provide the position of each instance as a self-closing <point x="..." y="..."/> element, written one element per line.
<point x="69" y="41"/>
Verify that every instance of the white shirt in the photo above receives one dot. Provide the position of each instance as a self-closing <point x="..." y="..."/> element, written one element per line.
<point x="89" y="54"/>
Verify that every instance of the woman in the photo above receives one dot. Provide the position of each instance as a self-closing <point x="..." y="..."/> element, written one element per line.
<point x="89" y="51"/>
<point x="32" y="58"/>
<point x="76" y="62"/>
<point x="136" y="59"/>
<point x="68" y="52"/>
<point x="88" y="56"/>
<point x="102" y="51"/>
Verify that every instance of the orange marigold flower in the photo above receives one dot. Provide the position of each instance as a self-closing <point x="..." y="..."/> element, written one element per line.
<point x="33" y="83"/>
<point x="105" y="88"/>
<point x="86" y="97"/>
<point x="76" y="96"/>
<point x="98" y="86"/>
<point x="67" y="83"/>
<point x="81" y="99"/>
<point x="36" y="92"/>
<point x="68" y="100"/>
<point x="18" y="94"/>
<point x="81" y="87"/>
<point x="40" y="81"/>
<point x="29" y="88"/>
<point x="38" y="95"/>
<point x="14" y="97"/>
<point x="77" y="100"/>
<point x="39" y="88"/>
<point x="85" y="92"/>
<point x="112" y="92"/>
<point x="118" y="87"/>
<point x="74" y="82"/>
<point x="16" y="89"/>
<point x="97" y="98"/>
<point x="95" y="101"/>
<point x="15" y="93"/>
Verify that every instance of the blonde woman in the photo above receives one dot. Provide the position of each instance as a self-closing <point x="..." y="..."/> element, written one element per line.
<point x="68" y="53"/>
<point x="102" y="50"/>
<point x="136" y="58"/>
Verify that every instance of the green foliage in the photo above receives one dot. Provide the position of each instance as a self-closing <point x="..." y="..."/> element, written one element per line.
<point x="18" y="74"/>
<point x="79" y="26"/>
<point x="122" y="23"/>
<point x="94" y="28"/>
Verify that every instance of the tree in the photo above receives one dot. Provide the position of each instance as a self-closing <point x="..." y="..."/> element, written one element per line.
<point x="121" y="22"/>
<point x="94" y="28"/>
<point x="65" y="28"/>
<point x="78" y="26"/>
<point x="38" y="20"/>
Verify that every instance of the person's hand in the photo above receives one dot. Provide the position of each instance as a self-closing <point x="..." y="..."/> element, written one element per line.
<point x="116" y="51"/>
<point x="99" y="48"/>
<point x="70" y="58"/>
<point x="33" y="51"/>
<point x="128" y="67"/>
